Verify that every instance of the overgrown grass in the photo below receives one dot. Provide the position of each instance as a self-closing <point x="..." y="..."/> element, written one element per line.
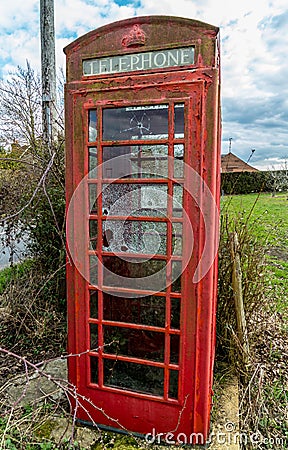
<point x="261" y="223"/>
<point x="32" y="320"/>
<point x="267" y="217"/>
<point x="9" y="275"/>
<point x="264" y="384"/>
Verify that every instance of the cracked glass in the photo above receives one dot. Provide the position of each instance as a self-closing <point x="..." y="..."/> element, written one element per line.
<point x="135" y="122"/>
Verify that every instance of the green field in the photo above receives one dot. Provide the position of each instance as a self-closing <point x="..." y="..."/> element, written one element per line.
<point x="263" y="391"/>
<point x="268" y="214"/>
<point x="267" y="218"/>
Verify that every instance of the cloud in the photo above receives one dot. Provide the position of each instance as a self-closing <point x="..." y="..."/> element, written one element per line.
<point x="254" y="43"/>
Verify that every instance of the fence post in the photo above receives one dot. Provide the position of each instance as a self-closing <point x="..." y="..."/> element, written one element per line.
<point x="238" y="296"/>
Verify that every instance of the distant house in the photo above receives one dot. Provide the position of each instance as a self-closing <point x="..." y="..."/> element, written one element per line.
<point x="231" y="163"/>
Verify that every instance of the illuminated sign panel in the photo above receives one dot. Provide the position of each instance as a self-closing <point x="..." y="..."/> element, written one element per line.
<point x="139" y="61"/>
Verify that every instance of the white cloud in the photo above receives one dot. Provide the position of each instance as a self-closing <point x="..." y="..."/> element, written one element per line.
<point x="254" y="43"/>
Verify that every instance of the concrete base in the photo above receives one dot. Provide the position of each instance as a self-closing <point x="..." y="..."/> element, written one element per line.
<point x="22" y="391"/>
<point x="225" y="427"/>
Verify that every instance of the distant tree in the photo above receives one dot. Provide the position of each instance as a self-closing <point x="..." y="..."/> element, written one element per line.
<point x="32" y="208"/>
<point x="32" y="178"/>
<point x="20" y="108"/>
<point x="278" y="178"/>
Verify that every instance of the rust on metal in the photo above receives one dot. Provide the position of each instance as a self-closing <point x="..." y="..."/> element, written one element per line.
<point x="143" y="172"/>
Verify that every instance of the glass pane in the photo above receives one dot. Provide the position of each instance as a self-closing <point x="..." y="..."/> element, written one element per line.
<point x="134" y="377"/>
<point x="94" y="369"/>
<point x="94" y="304"/>
<point x="142" y="310"/>
<point x="92" y="125"/>
<point x="178" y="161"/>
<point x="133" y="273"/>
<point x="93" y="234"/>
<point x="93" y="270"/>
<point x="176" y="276"/>
<point x="135" y="343"/>
<point x="175" y="313"/>
<point x="177" y="230"/>
<point x="179" y="120"/>
<point x="120" y="168"/>
<point x="92" y="166"/>
<point x="177" y="200"/>
<point x="173" y="388"/>
<point x="135" y="199"/>
<point x="174" y="348"/>
<point x="92" y="198"/>
<point x="137" y="161"/>
<point x="135" y="236"/>
<point x="135" y="122"/>
<point x="108" y="237"/>
<point x="93" y="337"/>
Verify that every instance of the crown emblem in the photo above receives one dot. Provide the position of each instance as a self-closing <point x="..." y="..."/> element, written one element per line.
<point x="134" y="38"/>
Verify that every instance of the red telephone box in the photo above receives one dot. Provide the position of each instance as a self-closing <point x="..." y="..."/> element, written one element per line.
<point x="143" y="152"/>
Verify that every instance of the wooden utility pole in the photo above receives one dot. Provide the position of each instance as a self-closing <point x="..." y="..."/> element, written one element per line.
<point x="48" y="68"/>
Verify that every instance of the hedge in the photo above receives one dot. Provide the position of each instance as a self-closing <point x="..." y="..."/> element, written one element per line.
<point x="248" y="182"/>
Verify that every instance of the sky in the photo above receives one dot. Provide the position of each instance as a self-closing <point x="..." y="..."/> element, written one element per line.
<point x="254" y="62"/>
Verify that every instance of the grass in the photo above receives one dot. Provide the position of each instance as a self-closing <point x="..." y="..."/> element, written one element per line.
<point x="9" y="274"/>
<point x="268" y="220"/>
<point x="269" y="215"/>
<point x="264" y="390"/>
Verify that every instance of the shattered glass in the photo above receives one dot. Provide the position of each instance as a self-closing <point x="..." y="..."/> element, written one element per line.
<point x="135" y="122"/>
<point x="135" y="236"/>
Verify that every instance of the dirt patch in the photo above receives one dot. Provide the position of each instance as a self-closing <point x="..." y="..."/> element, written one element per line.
<point x="279" y="253"/>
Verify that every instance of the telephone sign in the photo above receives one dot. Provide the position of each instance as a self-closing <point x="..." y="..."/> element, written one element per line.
<point x="139" y="61"/>
<point x="143" y="172"/>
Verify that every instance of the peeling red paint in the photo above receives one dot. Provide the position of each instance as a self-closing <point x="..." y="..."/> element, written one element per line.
<point x="196" y="87"/>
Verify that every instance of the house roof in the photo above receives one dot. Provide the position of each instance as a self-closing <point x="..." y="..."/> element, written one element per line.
<point x="231" y="163"/>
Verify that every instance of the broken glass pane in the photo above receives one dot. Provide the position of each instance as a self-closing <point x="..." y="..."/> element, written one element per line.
<point x="135" y="122"/>
<point x="178" y="160"/>
<point x="177" y="200"/>
<point x="141" y="344"/>
<point x="135" y="236"/>
<point x="177" y="229"/>
<point x="119" y="199"/>
<point x="134" y="377"/>
<point x="137" y="161"/>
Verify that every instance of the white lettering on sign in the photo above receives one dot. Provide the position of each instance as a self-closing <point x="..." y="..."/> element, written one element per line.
<point x="175" y="57"/>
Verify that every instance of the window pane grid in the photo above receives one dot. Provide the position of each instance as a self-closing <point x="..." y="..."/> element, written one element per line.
<point x="168" y="387"/>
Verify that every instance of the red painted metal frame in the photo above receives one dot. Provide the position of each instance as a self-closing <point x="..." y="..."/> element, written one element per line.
<point x="198" y="88"/>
